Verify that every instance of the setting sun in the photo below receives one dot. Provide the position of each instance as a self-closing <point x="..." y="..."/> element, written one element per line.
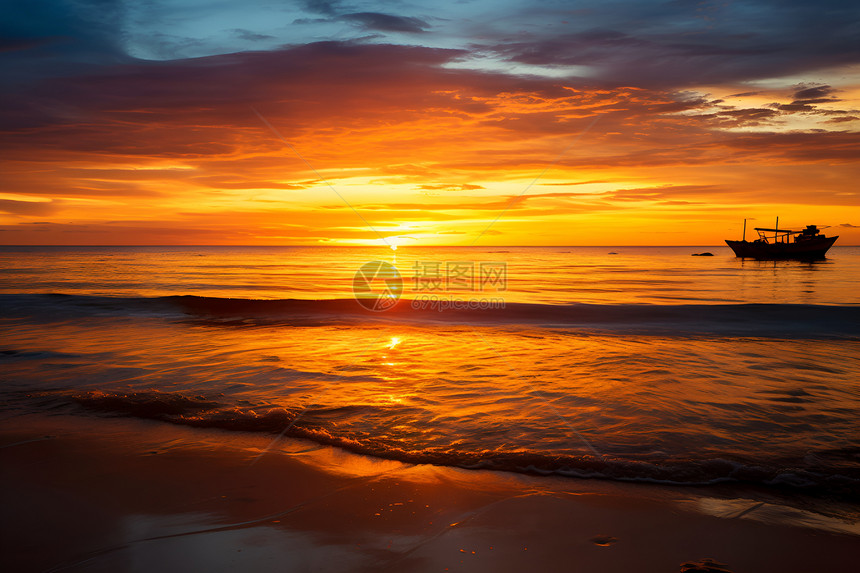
<point x="425" y="137"/>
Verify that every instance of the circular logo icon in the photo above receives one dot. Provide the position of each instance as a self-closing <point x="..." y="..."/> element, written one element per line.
<point x="377" y="286"/>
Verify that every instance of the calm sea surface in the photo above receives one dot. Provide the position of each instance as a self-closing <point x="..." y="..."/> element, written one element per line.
<point x="557" y="275"/>
<point x="644" y="365"/>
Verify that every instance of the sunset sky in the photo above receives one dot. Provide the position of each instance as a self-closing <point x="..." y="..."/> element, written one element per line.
<point x="574" y="123"/>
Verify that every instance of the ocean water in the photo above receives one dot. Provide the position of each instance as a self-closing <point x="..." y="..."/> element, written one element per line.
<point x="647" y="365"/>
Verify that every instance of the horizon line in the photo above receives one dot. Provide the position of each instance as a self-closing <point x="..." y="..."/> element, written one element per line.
<point x="399" y="247"/>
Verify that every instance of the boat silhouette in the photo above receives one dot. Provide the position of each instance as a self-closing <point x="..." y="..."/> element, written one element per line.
<point x="778" y="243"/>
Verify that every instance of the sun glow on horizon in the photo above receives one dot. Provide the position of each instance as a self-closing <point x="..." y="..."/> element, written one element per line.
<point x="421" y="143"/>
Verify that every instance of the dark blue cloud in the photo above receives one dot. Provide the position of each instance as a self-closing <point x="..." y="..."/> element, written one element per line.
<point x="82" y="28"/>
<point x="41" y="38"/>
<point x="327" y="7"/>
<point x="387" y="22"/>
<point x="667" y="45"/>
<point x="251" y="36"/>
<point x="683" y="43"/>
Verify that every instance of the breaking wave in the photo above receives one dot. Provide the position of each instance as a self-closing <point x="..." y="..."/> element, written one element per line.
<point x="773" y="320"/>
<point x="833" y="473"/>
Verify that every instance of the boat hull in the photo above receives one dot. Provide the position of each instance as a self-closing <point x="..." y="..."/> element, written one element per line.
<point x="809" y="249"/>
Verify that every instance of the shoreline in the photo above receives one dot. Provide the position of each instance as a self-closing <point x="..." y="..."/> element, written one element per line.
<point x="114" y="494"/>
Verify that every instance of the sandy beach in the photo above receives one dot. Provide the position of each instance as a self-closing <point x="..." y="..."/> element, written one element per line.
<point x="133" y="495"/>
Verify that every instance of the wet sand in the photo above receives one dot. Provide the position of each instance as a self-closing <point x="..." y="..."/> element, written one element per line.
<point x="83" y="494"/>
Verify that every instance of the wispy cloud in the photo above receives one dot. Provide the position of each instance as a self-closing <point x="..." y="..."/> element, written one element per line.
<point x="390" y="113"/>
<point x="387" y="22"/>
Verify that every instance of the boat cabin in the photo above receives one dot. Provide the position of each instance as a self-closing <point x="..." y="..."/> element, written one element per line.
<point x="784" y="235"/>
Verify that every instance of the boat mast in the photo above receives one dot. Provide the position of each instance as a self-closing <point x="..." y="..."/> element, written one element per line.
<point x="776" y="230"/>
<point x="745" y="229"/>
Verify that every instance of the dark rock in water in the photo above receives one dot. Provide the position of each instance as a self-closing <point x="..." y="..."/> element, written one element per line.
<point x="613" y="253"/>
<point x="705" y="254"/>
<point x="706" y="565"/>
<point x="603" y="540"/>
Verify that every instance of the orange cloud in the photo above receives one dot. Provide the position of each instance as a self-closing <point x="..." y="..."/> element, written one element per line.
<point x="172" y="152"/>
